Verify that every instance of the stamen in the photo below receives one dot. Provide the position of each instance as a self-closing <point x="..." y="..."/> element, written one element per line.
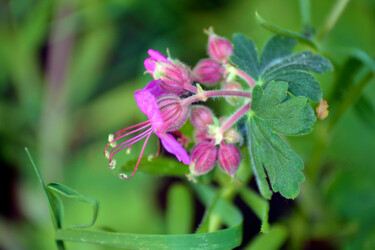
<point x="123" y="176"/>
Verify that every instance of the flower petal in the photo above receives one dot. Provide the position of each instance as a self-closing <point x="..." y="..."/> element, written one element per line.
<point x="150" y="65"/>
<point x="173" y="147"/>
<point x="146" y="101"/>
<point x="157" y="56"/>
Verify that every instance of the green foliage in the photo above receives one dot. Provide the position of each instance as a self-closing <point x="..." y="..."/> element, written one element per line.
<point x="277" y="63"/>
<point x="273" y="240"/>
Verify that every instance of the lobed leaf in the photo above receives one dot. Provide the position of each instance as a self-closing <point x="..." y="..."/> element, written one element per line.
<point x="271" y="153"/>
<point x="292" y="116"/>
<point x="278" y="63"/>
<point x="245" y="55"/>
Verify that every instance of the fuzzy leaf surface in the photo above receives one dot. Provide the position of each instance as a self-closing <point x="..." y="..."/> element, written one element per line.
<point x="278" y="63"/>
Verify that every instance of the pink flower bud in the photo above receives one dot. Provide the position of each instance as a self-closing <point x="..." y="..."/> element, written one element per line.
<point x="208" y="72"/>
<point x="229" y="158"/>
<point x="201" y="135"/>
<point x="174" y="74"/>
<point x="201" y="116"/>
<point x="172" y="112"/>
<point x="203" y="158"/>
<point x="233" y="100"/>
<point x="219" y="48"/>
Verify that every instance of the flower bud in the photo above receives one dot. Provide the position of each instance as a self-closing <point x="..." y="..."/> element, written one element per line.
<point x="233" y="100"/>
<point x="219" y="48"/>
<point x="201" y="116"/>
<point x="174" y="74"/>
<point x="201" y="135"/>
<point x="231" y="136"/>
<point x="172" y="112"/>
<point x="229" y="158"/>
<point x="203" y="158"/>
<point x="208" y="72"/>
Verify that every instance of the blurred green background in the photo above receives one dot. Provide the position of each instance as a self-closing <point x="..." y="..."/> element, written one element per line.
<point x="68" y="70"/>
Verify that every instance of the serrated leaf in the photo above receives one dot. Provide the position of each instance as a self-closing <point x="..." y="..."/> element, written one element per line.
<point x="275" y="48"/>
<point x="290" y="117"/>
<point x="245" y="54"/>
<point x="277" y="63"/>
<point x="271" y="153"/>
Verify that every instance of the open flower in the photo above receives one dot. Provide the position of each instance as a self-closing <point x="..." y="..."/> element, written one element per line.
<point x="158" y="107"/>
<point x="174" y="75"/>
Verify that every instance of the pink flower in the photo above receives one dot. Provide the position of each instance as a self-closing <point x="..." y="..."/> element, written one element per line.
<point x="203" y="158"/>
<point x="174" y="75"/>
<point x="151" y="101"/>
<point x="219" y="48"/>
<point x="229" y="158"/>
<point x="208" y="72"/>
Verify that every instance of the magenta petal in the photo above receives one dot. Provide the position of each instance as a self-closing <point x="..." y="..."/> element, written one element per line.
<point x="146" y="101"/>
<point x="157" y="56"/>
<point x="150" y="65"/>
<point x="173" y="147"/>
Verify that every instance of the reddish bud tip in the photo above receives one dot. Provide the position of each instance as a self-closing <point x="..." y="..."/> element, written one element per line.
<point x="201" y="116"/>
<point x="322" y="110"/>
<point x="173" y="113"/>
<point x="203" y="158"/>
<point x="229" y="158"/>
<point x="219" y="48"/>
<point x="208" y="72"/>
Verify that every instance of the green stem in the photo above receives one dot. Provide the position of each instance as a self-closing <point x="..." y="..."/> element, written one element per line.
<point x="305" y="10"/>
<point x="332" y="18"/>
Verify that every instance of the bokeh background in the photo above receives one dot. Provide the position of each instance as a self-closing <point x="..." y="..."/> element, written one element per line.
<point x="68" y="70"/>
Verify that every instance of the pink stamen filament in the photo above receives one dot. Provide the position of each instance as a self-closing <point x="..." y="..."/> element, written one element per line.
<point x="235" y="117"/>
<point x="128" y="143"/>
<point x="129" y="133"/>
<point x="139" y="159"/>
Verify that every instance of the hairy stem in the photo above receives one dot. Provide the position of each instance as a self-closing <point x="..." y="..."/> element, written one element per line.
<point x="235" y="117"/>
<point x="214" y="93"/>
<point x="246" y="77"/>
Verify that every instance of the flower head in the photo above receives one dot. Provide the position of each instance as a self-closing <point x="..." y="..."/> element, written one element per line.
<point x="158" y="123"/>
<point x="203" y="158"/>
<point x="219" y="48"/>
<point x="174" y="75"/>
<point x="208" y="72"/>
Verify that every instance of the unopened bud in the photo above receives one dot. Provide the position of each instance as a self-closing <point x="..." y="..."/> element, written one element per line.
<point x="233" y="100"/>
<point x="208" y="72"/>
<point x="219" y="48"/>
<point x="174" y="74"/>
<point x="231" y="136"/>
<point x="201" y="116"/>
<point x="173" y="113"/>
<point x="201" y="135"/>
<point x="229" y="158"/>
<point x="203" y="158"/>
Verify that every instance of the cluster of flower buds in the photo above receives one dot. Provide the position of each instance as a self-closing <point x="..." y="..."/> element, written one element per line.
<point x="213" y="144"/>
<point x="166" y="101"/>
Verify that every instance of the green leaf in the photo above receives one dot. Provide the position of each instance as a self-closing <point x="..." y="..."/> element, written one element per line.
<point x="260" y="206"/>
<point x="270" y="241"/>
<point x="287" y="116"/>
<point x="271" y="153"/>
<point x="245" y="54"/>
<point x="227" y="238"/>
<point x="55" y="189"/>
<point x="281" y="31"/>
<point x="277" y="63"/>
<point x="158" y="165"/>
<point x="179" y="210"/>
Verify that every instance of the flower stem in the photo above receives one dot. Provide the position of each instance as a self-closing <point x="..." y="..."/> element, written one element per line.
<point x="246" y="77"/>
<point x="191" y="88"/>
<point x="332" y="17"/>
<point x="214" y="93"/>
<point x="235" y="117"/>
